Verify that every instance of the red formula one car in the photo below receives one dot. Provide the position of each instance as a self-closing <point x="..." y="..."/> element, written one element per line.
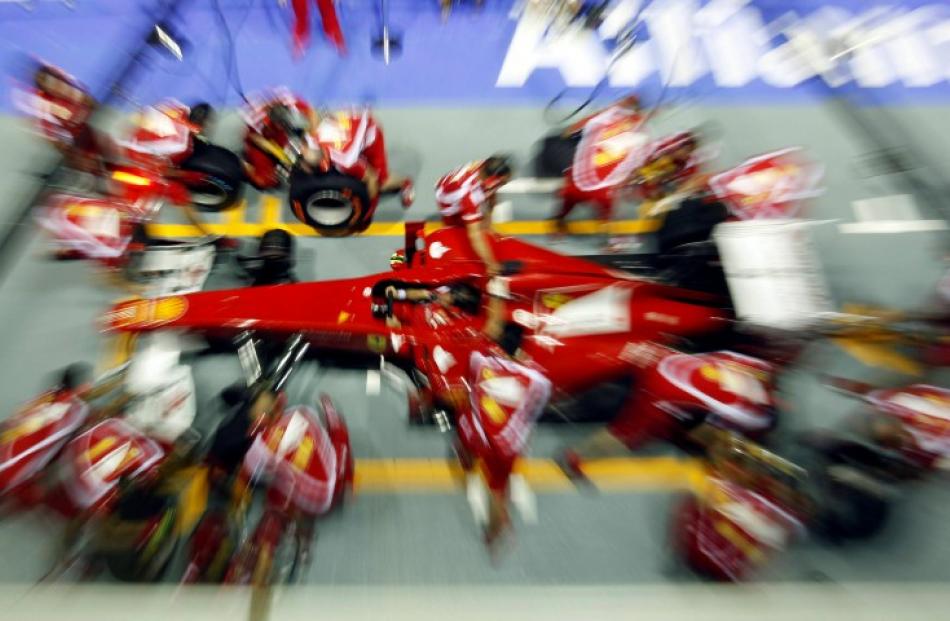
<point x="580" y="322"/>
<point x="571" y="325"/>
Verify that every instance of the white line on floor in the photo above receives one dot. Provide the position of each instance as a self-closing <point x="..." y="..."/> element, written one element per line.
<point x="503" y="212"/>
<point x="892" y="226"/>
<point x="531" y="185"/>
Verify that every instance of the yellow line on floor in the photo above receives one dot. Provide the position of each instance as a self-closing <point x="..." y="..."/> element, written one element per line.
<point x="881" y="356"/>
<point x="270" y="209"/>
<point x="236" y="215"/>
<point x="880" y="352"/>
<point x="394" y="229"/>
<point x="382" y="476"/>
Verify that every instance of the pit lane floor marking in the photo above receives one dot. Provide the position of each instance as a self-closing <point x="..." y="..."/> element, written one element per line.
<point x="234" y="224"/>
<point x="619" y="475"/>
<point x="397" y="229"/>
<point x="240" y="228"/>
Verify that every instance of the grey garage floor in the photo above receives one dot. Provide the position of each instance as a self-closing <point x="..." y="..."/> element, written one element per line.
<point x="47" y="320"/>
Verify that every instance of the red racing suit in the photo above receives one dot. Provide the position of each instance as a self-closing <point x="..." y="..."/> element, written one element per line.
<point x="460" y="195"/>
<point x="505" y="399"/>
<point x="733" y="531"/>
<point x="331" y="25"/>
<point x="731" y="390"/>
<point x="62" y="121"/>
<point x="354" y="142"/>
<point x="255" y="115"/>
<point x="613" y="145"/>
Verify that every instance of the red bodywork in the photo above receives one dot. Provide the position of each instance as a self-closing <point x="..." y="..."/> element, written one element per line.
<point x="579" y="317"/>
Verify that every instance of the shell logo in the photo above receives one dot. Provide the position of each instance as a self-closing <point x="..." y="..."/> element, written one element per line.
<point x="146" y="313"/>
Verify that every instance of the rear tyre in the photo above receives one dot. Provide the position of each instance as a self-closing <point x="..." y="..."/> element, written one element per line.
<point x="224" y="175"/>
<point x="334" y="204"/>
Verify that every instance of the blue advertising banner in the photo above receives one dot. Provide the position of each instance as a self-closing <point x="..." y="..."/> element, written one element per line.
<point x="711" y="51"/>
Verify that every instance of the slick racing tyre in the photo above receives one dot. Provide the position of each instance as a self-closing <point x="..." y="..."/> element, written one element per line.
<point x="224" y="177"/>
<point x="334" y="204"/>
<point x="555" y="155"/>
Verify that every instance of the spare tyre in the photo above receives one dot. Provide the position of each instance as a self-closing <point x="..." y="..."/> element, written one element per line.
<point x="334" y="204"/>
<point x="555" y="155"/>
<point x="224" y="176"/>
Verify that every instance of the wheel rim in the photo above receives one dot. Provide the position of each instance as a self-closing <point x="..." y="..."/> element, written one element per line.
<point x="209" y="193"/>
<point x="329" y="209"/>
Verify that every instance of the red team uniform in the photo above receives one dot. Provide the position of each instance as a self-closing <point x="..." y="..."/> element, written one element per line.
<point x="505" y="402"/>
<point x="613" y="145"/>
<point x="62" y="121"/>
<point x="505" y="399"/>
<point x="460" y="195"/>
<point x="354" y="141"/>
<point x="256" y="117"/>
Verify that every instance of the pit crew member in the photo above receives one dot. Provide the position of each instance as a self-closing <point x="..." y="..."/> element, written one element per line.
<point x="355" y="144"/>
<point x="613" y="144"/>
<point x="278" y="124"/>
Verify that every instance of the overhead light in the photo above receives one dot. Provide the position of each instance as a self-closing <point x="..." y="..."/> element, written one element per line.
<point x="386" y="44"/>
<point x="163" y="35"/>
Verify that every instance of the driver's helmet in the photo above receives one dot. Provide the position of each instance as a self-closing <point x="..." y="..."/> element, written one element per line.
<point x="398" y="260"/>
<point x="288" y="119"/>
